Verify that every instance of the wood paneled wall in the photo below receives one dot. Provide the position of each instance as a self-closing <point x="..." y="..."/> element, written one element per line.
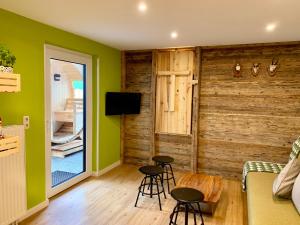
<point x="177" y="146"/>
<point x="247" y="118"/>
<point x="240" y="119"/>
<point x="137" y="128"/>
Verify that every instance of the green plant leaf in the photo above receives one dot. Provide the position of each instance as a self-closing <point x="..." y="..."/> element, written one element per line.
<point x="7" y="58"/>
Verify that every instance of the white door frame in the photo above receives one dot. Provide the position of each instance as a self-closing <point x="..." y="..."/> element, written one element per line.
<point x="76" y="57"/>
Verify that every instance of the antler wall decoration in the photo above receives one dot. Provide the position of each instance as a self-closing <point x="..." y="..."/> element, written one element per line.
<point x="237" y="70"/>
<point x="273" y="67"/>
<point x="255" y="69"/>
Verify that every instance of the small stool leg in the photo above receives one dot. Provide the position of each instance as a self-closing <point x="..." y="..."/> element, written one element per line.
<point x="162" y="185"/>
<point x="200" y="212"/>
<point x="151" y="186"/>
<point x="175" y="211"/>
<point x="144" y="184"/>
<point x="178" y="206"/>
<point x="186" y="216"/>
<point x="172" y="174"/>
<point x="162" y="180"/>
<point x="158" y="194"/>
<point x="172" y="215"/>
<point x="194" y="212"/>
<point x="166" y="169"/>
<point x="137" y="198"/>
<point x="171" y="218"/>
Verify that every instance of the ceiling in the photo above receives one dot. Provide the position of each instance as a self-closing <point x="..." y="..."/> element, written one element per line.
<point x="119" y="23"/>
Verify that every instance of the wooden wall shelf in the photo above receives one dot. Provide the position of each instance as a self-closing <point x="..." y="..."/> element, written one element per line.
<point x="10" y="82"/>
<point x="9" y="145"/>
<point x="173" y="134"/>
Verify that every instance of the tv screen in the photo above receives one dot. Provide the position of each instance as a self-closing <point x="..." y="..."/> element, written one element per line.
<point x="118" y="103"/>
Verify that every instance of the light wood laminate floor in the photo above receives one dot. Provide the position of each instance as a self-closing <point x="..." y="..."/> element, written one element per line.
<point x="109" y="200"/>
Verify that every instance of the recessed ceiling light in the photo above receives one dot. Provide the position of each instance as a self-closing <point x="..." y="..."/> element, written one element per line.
<point x="271" y="27"/>
<point x="174" y="35"/>
<point x="142" y="7"/>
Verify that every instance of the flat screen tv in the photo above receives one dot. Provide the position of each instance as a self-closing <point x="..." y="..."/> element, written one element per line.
<point x="118" y="103"/>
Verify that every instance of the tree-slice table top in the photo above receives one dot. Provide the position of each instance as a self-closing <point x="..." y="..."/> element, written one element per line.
<point x="210" y="186"/>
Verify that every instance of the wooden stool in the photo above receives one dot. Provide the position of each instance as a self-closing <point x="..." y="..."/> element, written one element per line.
<point x="155" y="175"/>
<point x="186" y="198"/>
<point x="165" y="163"/>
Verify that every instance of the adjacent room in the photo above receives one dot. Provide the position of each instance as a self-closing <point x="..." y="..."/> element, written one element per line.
<point x="67" y="109"/>
<point x="150" y="112"/>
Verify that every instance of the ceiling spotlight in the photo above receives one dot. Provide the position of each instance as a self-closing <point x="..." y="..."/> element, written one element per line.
<point x="271" y="27"/>
<point x="142" y="7"/>
<point x="174" y="35"/>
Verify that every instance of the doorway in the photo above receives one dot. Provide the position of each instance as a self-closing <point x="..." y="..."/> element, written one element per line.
<point x="68" y="118"/>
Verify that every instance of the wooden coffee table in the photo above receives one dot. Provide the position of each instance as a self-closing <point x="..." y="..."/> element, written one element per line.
<point x="210" y="186"/>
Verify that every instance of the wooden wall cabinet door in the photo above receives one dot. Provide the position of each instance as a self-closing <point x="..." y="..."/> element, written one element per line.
<point x="174" y="86"/>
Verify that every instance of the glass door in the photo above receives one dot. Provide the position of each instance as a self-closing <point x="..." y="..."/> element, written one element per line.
<point x="68" y="118"/>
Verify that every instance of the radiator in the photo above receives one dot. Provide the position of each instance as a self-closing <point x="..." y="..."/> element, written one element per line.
<point x="13" y="203"/>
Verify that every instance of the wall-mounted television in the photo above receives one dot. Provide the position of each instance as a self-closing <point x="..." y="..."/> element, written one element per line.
<point x="118" y="103"/>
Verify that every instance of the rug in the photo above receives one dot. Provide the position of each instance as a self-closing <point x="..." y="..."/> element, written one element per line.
<point x="59" y="177"/>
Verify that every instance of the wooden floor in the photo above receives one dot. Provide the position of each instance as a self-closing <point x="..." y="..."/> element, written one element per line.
<point x="109" y="200"/>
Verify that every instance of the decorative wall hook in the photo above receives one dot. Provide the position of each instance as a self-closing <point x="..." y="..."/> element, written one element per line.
<point x="237" y="70"/>
<point x="255" y="69"/>
<point x="273" y="67"/>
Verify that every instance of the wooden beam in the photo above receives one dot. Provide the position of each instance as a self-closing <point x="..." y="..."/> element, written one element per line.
<point x="195" y="110"/>
<point x="152" y="107"/>
<point x="172" y="93"/>
<point x="165" y="94"/>
<point x="176" y="49"/>
<point x="122" y="119"/>
<point x="271" y="44"/>
<point x="170" y="73"/>
<point x="194" y="82"/>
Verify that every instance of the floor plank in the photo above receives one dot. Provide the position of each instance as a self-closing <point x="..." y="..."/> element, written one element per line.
<point x="109" y="200"/>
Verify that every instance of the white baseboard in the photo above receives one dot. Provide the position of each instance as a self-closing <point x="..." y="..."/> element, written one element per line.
<point x="95" y="174"/>
<point x="35" y="210"/>
<point x="106" y="169"/>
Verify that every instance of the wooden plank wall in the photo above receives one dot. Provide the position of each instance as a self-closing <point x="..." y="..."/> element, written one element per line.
<point x="247" y="118"/>
<point x="137" y="128"/>
<point x="177" y="146"/>
<point x="240" y="119"/>
<point x="138" y="144"/>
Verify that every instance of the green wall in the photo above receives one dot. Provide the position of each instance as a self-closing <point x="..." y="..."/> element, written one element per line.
<point x="26" y="39"/>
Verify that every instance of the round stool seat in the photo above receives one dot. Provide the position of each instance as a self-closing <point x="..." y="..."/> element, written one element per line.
<point x="151" y="170"/>
<point x="187" y="195"/>
<point x="163" y="159"/>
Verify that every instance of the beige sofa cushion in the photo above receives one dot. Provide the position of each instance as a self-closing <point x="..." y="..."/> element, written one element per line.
<point x="284" y="182"/>
<point x="296" y="193"/>
<point x="263" y="209"/>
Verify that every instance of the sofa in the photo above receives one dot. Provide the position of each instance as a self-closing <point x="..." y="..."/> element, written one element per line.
<point x="263" y="208"/>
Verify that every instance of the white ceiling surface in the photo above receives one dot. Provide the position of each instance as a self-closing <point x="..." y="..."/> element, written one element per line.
<point x="119" y="24"/>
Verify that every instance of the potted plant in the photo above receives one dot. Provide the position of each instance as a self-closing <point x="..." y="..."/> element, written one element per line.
<point x="7" y="60"/>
